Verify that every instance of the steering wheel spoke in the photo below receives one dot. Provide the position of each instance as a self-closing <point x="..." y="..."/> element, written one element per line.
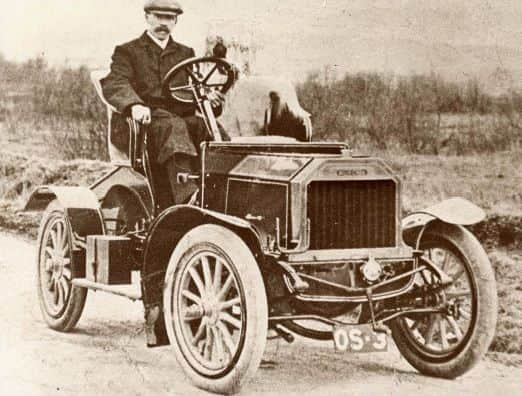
<point x="209" y="74"/>
<point x="221" y="85"/>
<point x="193" y="75"/>
<point x="186" y="88"/>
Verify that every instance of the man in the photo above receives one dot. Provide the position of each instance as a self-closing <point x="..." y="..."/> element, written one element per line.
<point x="134" y="88"/>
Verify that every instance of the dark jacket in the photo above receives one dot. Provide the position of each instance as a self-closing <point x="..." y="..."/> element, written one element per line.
<point x="137" y="70"/>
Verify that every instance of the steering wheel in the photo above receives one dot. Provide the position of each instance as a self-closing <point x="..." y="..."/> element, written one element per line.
<point x="191" y="80"/>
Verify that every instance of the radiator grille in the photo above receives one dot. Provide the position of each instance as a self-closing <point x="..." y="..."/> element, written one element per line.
<point x="352" y="214"/>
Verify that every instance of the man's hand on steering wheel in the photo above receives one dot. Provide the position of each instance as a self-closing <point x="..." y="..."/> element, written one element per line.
<point x="216" y="98"/>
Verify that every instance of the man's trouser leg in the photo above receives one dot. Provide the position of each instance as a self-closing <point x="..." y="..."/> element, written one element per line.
<point x="176" y="164"/>
<point x="173" y="150"/>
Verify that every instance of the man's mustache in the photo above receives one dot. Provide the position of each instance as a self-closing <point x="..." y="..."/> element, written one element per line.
<point x="162" y="29"/>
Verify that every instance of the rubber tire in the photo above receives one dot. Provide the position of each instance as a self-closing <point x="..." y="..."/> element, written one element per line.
<point x="487" y="305"/>
<point x="255" y="307"/>
<point x="70" y="316"/>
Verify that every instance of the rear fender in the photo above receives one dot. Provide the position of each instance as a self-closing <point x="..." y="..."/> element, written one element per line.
<point x="456" y="211"/>
<point x="80" y="204"/>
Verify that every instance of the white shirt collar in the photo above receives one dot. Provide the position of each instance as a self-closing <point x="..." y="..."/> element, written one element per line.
<point x="161" y="44"/>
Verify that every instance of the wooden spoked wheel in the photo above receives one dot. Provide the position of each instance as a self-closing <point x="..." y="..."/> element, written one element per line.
<point x="215" y="308"/>
<point x="61" y="303"/>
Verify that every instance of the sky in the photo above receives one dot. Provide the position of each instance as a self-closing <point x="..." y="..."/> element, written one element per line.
<point x="292" y="36"/>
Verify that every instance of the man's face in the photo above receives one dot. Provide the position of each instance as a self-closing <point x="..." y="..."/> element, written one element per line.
<point x="161" y="25"/>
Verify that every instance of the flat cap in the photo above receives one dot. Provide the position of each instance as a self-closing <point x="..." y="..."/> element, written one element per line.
<point x="163" y="7"/>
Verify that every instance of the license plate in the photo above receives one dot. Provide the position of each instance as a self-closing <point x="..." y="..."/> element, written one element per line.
<point x="359" y="339"/>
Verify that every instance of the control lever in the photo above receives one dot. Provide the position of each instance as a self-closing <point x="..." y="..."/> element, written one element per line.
<point x="185" y="177"/>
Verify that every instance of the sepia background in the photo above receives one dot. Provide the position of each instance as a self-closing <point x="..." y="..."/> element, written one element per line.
<point x="434" y="87"/>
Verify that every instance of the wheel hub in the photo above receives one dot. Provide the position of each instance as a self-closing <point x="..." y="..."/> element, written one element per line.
<point x="57" y="266"/>
<point x="211" y="310"/>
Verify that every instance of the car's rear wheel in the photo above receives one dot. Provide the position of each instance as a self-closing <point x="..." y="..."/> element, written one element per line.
<point x="449" y="344"/>
<point x="61" y="303"/>
<point x="215" y="308"/>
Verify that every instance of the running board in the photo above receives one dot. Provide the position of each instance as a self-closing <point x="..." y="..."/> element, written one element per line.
<point x="131" y="291"/>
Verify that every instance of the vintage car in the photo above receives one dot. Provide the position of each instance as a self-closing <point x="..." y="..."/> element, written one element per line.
<point x="283" y="237"/>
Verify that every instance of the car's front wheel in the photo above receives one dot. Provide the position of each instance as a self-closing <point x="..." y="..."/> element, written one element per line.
<point x="449" y="344"/>
<point x="215" y="308"/>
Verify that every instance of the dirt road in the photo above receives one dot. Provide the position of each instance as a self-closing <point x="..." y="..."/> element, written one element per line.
<point x="107" y="355"/>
